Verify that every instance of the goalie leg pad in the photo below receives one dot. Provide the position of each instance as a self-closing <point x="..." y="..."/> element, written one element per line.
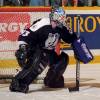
<point x="54" y="76"/>
<point x="81" y="51"/>
<point x="27" y="75"/>
<point x="15" y="86"/>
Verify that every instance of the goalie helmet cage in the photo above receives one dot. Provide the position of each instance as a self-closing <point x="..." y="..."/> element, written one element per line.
<point x="12" y="21"/>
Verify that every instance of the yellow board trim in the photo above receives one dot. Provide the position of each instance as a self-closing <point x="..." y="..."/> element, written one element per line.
<point x="82" y="8"/>
<point x="11" y="63"/>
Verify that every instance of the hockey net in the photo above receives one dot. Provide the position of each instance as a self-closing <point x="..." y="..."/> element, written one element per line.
<point x="12" y="21"/>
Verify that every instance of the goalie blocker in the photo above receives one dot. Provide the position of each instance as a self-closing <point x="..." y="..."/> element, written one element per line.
<point x="81" y="51"/>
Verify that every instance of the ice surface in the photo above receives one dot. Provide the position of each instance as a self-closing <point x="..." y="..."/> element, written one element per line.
<point x="90" y="76"/>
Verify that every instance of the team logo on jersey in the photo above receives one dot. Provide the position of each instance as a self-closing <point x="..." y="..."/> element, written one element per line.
<point x="51" y="41"/>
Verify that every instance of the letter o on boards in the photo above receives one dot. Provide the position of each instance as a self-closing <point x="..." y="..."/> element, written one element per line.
<point x="87" y="23"/>
<point x="13" y="27"/>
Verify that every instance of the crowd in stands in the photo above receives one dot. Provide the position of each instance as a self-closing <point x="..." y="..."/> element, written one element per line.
<point x="81" y="3"/>
<point x="50" y="2"/>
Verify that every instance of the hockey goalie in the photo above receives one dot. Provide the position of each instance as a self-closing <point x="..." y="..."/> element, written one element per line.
<point x="37" y="50"/>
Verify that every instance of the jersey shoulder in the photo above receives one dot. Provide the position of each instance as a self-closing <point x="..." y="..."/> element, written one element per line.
<point x="39" y="24"/>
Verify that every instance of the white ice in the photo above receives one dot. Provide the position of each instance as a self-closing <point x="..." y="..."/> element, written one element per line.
<point x="89" y="75"/>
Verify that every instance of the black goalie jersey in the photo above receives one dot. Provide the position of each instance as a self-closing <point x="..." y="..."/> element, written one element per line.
<point x="41" y="33"/>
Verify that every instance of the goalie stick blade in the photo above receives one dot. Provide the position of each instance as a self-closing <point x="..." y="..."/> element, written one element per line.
<point x="73" y="89"/>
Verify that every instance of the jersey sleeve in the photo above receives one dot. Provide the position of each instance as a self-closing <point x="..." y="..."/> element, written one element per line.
<point x="68" y="36"/>
<point x="28" y="37"/>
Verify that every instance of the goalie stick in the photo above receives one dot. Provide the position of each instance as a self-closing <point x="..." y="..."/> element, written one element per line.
<point x="76" y="88"/>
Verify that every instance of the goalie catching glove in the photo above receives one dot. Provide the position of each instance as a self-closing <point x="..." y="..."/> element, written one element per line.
<point x="81" y="51"/>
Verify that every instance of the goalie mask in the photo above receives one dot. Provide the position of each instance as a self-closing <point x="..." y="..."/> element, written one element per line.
<point x="58" y="14"/>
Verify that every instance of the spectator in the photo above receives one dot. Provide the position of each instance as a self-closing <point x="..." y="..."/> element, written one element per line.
<point x="88" y="2"/>
<point x="47" y="3"/>
<point x="12" y="2"/>
<point x="98" y="2"/>
<point x="75" y="2"/>
<point x="1" y="2"/>
<point x="64" y="2"/>
<point x="36" y="3"/>
<point x="69" y="2"/>
<point x="55" y="2"/>
<point x="80" y="3"/>
<point x="25" y="2"/>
